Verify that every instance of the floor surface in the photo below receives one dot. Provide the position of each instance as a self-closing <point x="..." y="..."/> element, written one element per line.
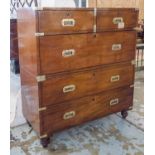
<point x="110" y="135"/>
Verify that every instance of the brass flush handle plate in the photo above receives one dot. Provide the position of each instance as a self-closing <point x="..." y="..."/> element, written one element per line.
<point x="114" y="101"/>
<point x="68" y="53"/>
<point x="69" y="88"/>
<point x="68" y="22"/>
<point x="115" y="78"/>
<point x="117" y="20"/>
<point x="69" y="115"/>
<point x="116" y="47"/>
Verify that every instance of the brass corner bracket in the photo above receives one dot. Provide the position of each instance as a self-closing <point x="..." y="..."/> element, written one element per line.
<point x="40" y="78"/>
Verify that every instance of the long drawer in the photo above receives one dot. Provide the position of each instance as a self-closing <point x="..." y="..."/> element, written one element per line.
<point x="74" y="112"/>
<point x="64" y="21"/>
<point x="64" y="87"/>
<point x="116" y="19"/>
<point x="64" y="53"/>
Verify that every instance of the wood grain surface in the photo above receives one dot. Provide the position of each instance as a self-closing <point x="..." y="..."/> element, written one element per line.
<point x="89" y="50"/>
<point x="85" y="82"/>
<point x="86" y="109"/>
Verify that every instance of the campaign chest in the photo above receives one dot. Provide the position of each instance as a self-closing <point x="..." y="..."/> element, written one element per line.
<point x="76" y="65"/>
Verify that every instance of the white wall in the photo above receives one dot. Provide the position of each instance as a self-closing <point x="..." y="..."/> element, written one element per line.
<point x="64" y="3"/>
<point x="46" y="2"/>
<point x="57" y="3"/>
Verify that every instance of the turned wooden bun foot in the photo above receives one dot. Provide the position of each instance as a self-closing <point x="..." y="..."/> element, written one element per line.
<point x="45" y="141"/>
<point x="124" y="114"/>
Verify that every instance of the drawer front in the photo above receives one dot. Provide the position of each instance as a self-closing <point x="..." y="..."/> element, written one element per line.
<point x="70" y="86"/>
<point x="65" y="21"/>
<point x="74" y="112"/>
<point x="64" y="53"/>
<point x="116" y="19"/>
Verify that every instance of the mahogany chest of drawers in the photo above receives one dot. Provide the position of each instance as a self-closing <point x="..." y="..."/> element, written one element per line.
<point x="76" y="65"/>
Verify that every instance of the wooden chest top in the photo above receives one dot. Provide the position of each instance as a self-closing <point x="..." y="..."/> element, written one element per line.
<point x="64" y="21"/>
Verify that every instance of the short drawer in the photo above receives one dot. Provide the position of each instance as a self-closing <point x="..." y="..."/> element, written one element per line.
<point x="63" y="21"/>
<point x="64" y="53"/>
<point x="75" y="112"/>
<point x="116" y="19"/>
<point x="60" y="88"/>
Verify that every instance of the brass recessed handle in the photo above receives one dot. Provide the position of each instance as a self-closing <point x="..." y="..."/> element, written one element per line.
<point x="68" y="22"/>
<point x="114" y="101"/>
<point x="116" y="47"/>
<point x="69" y="115"/>
<point x="69" y="88"/>
<point x="117" y="20"/>
<point x="68" y="53"/>
<point x="115" y="78"/>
